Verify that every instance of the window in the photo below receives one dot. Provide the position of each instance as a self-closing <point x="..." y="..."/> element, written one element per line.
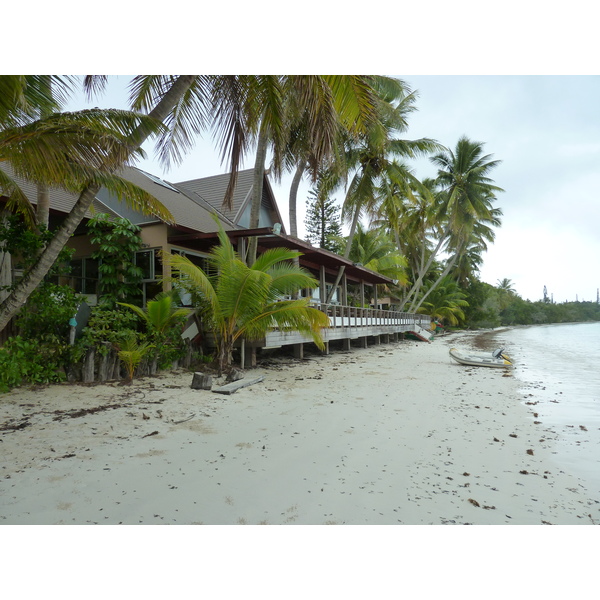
<point x="83" y="277"/>
<point x="149" y="262"/>
<point x="200" y="261"/>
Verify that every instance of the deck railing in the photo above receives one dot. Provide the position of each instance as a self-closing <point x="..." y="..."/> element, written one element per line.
<point x="353" y="316"/>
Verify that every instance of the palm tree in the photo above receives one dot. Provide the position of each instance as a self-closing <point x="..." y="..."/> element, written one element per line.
<point x="506" y="285"/>
<point x="370" y="156"/>
<point x="464" y="199"/>
<point x="445" y="302"/>
<point x="506" y="292"/>
<point x="375" y="250"/>
<point x="74" y="150"/>
<point x="244" y="302"/>
<point x="301" y="121"/>
<point x="161" y="313"/>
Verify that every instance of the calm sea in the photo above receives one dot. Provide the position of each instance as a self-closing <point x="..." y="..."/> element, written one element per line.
<point x="559" y="367"/>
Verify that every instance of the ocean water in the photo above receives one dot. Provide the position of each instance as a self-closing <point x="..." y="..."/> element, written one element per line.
<point x="559" y="369"/>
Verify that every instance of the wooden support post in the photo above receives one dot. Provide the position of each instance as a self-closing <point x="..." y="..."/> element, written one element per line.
<point x="346" y="344"/>
<point x="88" y="366"/>
<point x="241" y="249"/>
<point x="377" y="339"/>
<point x="326" y="349"/>
<point x="363" y="342"/>
<point x="322" y="285"/>
<point x="344" y="289"/>
<point x="105" y="363"/>
<point x="299" y="350"/>
<point x="250" y="360"/>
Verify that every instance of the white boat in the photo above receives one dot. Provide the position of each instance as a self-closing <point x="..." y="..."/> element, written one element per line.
<point x="497" y="358"/>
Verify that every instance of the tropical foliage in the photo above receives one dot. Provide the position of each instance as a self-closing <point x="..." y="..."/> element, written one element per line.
<point x="322" y="220"/>
<point x="116" y="241"/>
<point x="242" y="302"/>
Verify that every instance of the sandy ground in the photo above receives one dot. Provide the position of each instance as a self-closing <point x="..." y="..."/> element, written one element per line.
<point x="392" y="434"/>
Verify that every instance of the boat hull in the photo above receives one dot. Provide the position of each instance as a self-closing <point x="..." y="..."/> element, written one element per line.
<point x="480" y="360"/>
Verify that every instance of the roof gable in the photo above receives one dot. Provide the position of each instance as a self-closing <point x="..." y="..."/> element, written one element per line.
<point x="211" y="190"/>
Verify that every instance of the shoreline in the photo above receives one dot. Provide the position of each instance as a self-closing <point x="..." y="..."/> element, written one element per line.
<point x="393" y="434"/>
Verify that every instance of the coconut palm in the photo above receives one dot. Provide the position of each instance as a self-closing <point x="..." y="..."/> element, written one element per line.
<point x="465" y="199"/>
<point x="131" y="352"/>
<point x="445" y="302"/>
<point x="73" y="150"/>
<point x="311" y="111"/>
<point x="370" y="156"/>
<point x="236" y="108"/>
<point x="244" y="302"/>
<point x="375" y="250"/>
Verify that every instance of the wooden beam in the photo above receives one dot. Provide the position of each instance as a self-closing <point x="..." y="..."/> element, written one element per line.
<point x="234" y="386"/>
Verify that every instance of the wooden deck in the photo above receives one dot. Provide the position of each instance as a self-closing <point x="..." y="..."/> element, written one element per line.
<point x="349" y="322"/>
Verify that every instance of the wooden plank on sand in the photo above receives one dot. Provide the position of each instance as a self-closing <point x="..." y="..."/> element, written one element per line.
<point x="234" y="386"/>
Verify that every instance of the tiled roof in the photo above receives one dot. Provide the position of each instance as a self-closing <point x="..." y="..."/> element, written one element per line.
<point x="60" y="200"/>
<point x="187" y="212"/>
<point x="212" y="190"/>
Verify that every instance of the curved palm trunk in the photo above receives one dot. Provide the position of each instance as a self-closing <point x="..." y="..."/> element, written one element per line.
<point x="42" y="214"/>
<point x="449" y="266"/>
<point x="417" y="285"/>
<point x="294" y="197"/>
<point x="292" y="210"/>
<point x="257" y="187"/>
<point x="13" y="303"/>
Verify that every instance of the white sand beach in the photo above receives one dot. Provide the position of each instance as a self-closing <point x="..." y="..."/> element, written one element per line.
<point x="389" y="435"/>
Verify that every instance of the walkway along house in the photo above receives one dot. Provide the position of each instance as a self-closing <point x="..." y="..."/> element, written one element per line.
<point x="193" y="204"/>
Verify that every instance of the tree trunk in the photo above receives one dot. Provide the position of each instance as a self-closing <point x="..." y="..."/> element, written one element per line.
<point x="5" y="263"/>
<point x="42" y="214"/>
<point x="257" y="188"/>
<point x="342" y="269"/>
<point x="292" y="211"/>
<point x="294" y="197"/>
<point x="437" y="281"/>
<point x="13" y="303"/>
<point x="417" y="285"/>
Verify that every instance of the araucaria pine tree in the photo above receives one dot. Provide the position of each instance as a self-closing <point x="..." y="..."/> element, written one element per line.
<point x="323" y="221"/>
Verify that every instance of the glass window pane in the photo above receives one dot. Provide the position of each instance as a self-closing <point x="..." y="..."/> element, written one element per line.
<point x="144" y="261"/>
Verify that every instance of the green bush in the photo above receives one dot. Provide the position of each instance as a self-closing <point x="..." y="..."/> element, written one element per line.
<point x="27" y="362"/>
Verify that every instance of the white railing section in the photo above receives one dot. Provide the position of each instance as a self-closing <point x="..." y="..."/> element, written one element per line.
<point x="353" y="316"/>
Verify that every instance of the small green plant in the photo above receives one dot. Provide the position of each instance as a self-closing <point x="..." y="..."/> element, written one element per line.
<point x="131" y="353"/>
<point x="164" y="322"/>
<point x="108" y="324"/>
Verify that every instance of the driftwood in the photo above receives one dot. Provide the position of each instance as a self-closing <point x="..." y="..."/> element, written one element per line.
<point x="234" y="386"/>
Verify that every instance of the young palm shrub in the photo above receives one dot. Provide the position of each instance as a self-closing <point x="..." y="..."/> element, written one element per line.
<point x="446" y="302"/>
<point x="131" y="353"/>
<point x="160" y="314"/>
<point x="161" y="317"/>
<point x="245" y="302"/>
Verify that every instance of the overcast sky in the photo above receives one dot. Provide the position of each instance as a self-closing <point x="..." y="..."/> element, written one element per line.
<point x="546" y="132"/>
